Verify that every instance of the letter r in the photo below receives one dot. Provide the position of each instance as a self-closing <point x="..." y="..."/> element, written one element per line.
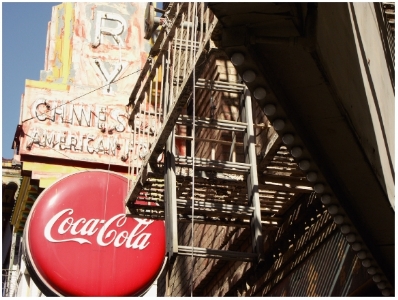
<point x="104" y="30"/>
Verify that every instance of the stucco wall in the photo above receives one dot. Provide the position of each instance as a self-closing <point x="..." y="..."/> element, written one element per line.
<point x="365" y="89"/>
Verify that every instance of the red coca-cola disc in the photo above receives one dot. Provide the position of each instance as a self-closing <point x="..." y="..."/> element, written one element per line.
<point x="80" y="242"/>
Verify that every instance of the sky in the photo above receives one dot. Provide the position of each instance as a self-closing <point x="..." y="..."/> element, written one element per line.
<point x="23" y="36"/>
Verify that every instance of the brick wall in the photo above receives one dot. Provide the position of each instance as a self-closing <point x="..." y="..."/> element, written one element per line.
<point x="212" y="277"/>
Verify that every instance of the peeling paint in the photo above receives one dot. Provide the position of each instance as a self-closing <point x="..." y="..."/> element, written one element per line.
<point x="62" y="116"/>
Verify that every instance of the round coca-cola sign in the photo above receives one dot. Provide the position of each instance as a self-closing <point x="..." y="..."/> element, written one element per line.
<point x="80" y="242"/>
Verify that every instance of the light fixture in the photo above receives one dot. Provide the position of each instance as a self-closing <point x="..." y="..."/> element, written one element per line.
<point x="249" y="76"/>
<point x="386" y="292"/>
<point x="338" y="219"/>
<point x="326" y="199"/>
<point x="278" y="124"/>
<point x="382" y="285"/>
<point x="362" y="254"/>
<point x="288" y="139"/>
<point x="376" y="278"/>
<point x="319" y="188"/>
<point x="333" y="209"/>
<point x="345" y="229"/>
<point x="304" y="165"/>
<point x="259" y="93"/>
<point x="269" y="109"/>
<point x="296" y="151"/>
<point x="237" y="59"/>
<point x="357" y="247"/>
<point x="350" y="237"/>
<point x="311" y="176"/>
<point x="372" y="271"/>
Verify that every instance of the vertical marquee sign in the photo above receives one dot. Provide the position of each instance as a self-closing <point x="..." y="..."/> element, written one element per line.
<point x="78" y="108"/>
<point x="79" y="242"/>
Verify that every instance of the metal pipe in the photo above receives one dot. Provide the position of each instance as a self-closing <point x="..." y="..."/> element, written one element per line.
<point x="214" y="124"/>
<point x="209" y="140"/>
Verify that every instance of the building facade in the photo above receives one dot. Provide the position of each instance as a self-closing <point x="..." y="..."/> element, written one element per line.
<point x="11" y="179"/>
<point x="261" y="133"/>
<point x="74" y="118"/>
<point x="315" y="188"/>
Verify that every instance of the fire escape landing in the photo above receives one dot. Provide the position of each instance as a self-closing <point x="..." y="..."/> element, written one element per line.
<point x="205" y="152"/>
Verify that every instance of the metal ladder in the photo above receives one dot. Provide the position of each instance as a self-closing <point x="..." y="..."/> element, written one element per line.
<point x="162" y="91"/>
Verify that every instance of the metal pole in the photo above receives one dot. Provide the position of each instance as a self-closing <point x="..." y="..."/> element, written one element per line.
<point x="11" y="266"/>
<point x="170" y="191"/>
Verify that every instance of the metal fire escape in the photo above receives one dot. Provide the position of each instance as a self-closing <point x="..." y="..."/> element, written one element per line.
<point x="167" y="109"/>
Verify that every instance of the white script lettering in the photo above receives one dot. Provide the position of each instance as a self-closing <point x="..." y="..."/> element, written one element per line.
<point x="136" y="239"/>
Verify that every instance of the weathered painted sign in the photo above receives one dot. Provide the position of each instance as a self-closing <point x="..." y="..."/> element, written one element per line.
<point x="78" y="108"/>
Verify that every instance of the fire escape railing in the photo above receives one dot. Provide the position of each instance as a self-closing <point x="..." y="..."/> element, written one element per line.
<point x="165" y="85"/>
<point x="162" y="98"/>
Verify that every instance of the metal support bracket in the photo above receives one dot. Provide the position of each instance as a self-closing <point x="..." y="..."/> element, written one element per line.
<point x="252" y="180"/>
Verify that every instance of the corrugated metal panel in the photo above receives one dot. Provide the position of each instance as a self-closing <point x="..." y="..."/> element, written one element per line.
<point x="333" y="270"/>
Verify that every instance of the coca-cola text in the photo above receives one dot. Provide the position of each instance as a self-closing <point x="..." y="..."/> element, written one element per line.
<point x="136" y="239"/>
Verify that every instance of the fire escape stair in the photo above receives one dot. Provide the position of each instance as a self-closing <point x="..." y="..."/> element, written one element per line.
<point x="227" y="193"/>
